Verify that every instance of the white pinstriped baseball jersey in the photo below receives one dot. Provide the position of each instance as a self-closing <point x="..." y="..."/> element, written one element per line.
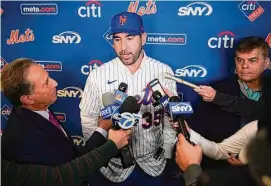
<point x="144" y="142"/>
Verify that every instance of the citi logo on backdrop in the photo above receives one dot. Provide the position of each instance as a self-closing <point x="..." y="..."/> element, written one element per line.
<point x="150" y="8"/>
<point x="224" y="39"/>
<point x="191" y="71"/>
<point x="91" y="9"/>
<point x="196" y="9"/>
<point x="251" y="9"/>
<point x="15" y="38"/>
<point x="93" y="64"/>
<point x="67" y="37"/>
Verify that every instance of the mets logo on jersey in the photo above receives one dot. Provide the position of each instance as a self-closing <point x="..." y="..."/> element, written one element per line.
<point x="122" y="20"/>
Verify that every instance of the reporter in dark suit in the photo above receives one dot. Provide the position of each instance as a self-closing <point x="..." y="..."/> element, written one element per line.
<point x="33" y="135"/>
<point x="69" y="174"/>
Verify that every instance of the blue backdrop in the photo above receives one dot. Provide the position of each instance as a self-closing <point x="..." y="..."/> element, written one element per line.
<point x="69" y="39"/>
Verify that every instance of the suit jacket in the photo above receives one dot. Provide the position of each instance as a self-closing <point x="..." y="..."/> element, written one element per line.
<point x="41" y="175"/>
<point x="233" y="176"/>
<point x="29" y="138"/>
<point x="216" y="124"/>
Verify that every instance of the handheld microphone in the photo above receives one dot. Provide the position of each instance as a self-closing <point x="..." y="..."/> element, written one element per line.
<point x="159" y="93"/>
<point x="156" y="104"/>
<point x="123" y="87"/>
<point x="109" y="104"/>
<point x="178" y="109"/>
<point x="125" y="117"/>
<point x="120" y="94"/>
<point x="179" y="80"/>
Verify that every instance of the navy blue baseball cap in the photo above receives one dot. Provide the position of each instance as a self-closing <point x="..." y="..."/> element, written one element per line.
<point x="127" y="22"/>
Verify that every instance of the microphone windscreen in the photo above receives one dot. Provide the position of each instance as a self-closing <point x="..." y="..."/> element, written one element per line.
<point x="108" y="99"/>
<point x="156" y="95"/>
<point x="129" y="105"/>
<point x="123" y="87"/>
<point x="174" y="99"/>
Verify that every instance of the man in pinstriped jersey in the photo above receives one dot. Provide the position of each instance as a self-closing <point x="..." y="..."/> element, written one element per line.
<point x="133" y="67"/>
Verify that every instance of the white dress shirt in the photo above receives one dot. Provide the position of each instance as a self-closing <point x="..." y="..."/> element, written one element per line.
<point x="235" y="144"/>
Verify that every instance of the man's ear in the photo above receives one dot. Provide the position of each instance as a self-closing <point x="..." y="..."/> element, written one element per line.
<point x="26" y="100"/>
<point x="143" y="38"/>
<point x="267" y="64"/>
<point x="266" y="180"/>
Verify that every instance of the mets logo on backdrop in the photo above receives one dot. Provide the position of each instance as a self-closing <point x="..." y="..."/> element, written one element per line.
<point x="251" y="9"/>
<point x="150" y="7"/>
<point x="15" y="37"/>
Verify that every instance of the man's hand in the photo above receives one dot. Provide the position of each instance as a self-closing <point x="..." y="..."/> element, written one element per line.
<point x="206" y="92"/>
<point x="187" y="154"/>
<point x="234" y="161"/>
<point x="105" y="124"/>
<point x="119" y="137"/>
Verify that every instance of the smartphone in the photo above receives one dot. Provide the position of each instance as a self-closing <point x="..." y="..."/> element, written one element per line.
<point x="156" y="85"/>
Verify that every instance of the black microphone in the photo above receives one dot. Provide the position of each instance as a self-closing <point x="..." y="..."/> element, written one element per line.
<point x="128" y="108"/>
<point x="180" y="120"/>
<point x="123" y="87"/>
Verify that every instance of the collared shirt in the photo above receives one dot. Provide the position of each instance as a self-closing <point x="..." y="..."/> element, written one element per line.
<point x="249" y="93"/>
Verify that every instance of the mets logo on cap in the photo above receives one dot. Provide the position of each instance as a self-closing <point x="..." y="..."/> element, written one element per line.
<point x="122" y="20"/>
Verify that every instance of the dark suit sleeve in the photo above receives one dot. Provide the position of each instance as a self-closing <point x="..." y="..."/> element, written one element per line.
<point x="238" y="105"/>
<point x="72" y="173"/>
<point x="96" y="140"/>
<point x="192" y="174"/>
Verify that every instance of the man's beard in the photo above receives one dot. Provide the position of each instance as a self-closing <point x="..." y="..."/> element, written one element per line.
<point x="134" y="58"/>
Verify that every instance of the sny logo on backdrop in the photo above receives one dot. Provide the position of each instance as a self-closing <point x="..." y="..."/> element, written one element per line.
<point x="223" y="40"/>
<point x="39" y="9"/>
<point x="156" y="38"/>
<point x="67" y="37"/>
<point x="196" y="9"/>
<point x="191" y="71"/>
<point x="3" y="63"/>
<point x="93" y="64"/>
<point x="71" y="92"/>
<point x="251" y="9"/>
<point x="5" y="111"/>
<point x="150" y="8"/>
<point x="60" y="116"/>
<point x="28" y="36"/>
<point x="55" y="66"/>
<point x="78" y="140"/>
<point x="91" y="11"/>
<point x="268" y="39"/>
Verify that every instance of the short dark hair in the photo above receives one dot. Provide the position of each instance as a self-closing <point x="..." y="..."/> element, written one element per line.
<point x="247" y="44"/>
<point x="258" y="154"/>
<point x="13" y="80"/>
